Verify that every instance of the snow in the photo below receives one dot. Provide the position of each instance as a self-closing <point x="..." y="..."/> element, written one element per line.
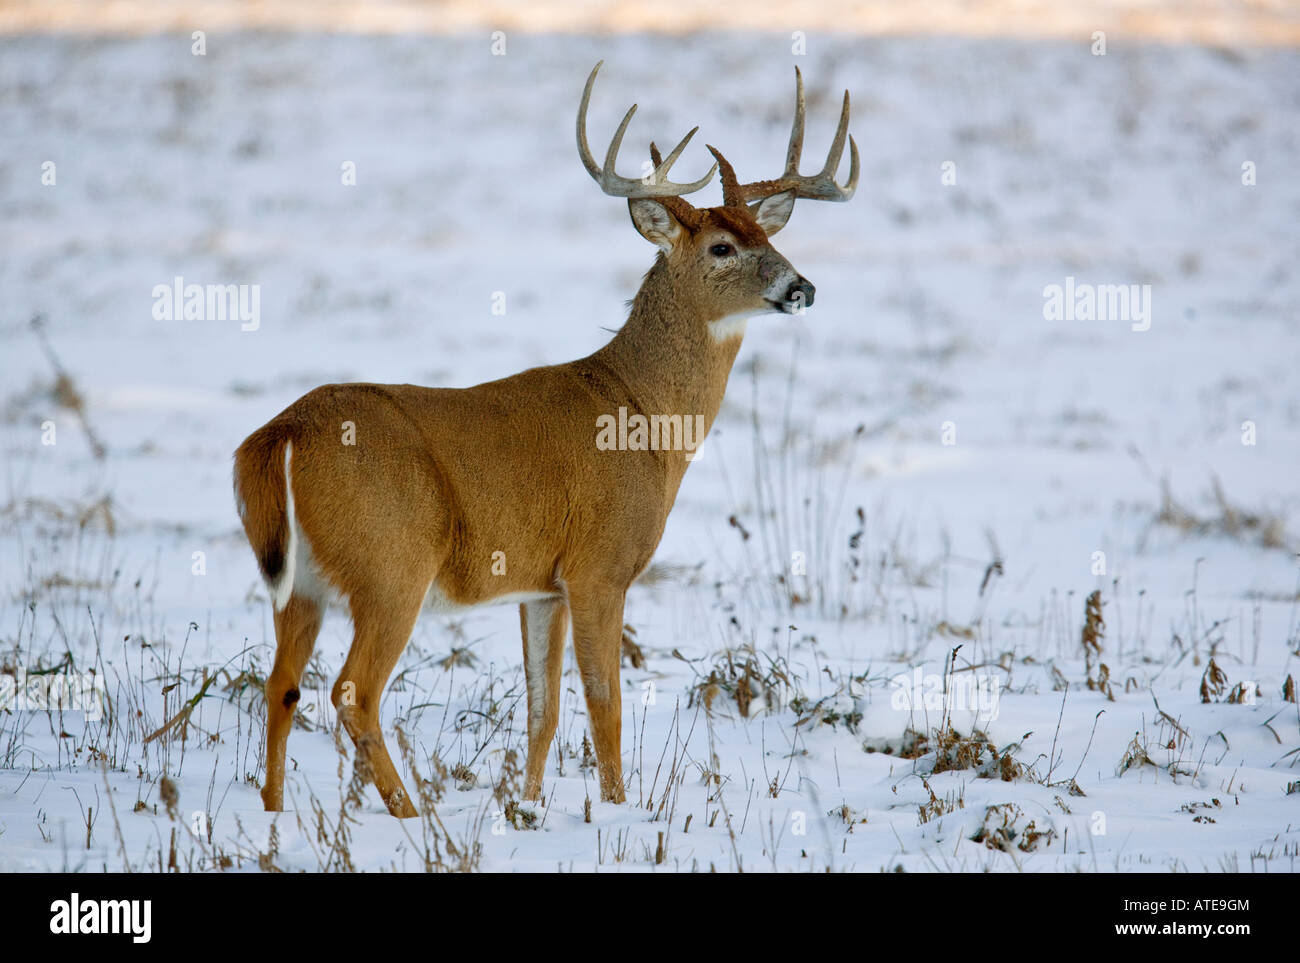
<point x="1122" y="169"/>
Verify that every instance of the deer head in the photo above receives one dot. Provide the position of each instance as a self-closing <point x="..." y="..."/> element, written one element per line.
<point x="720" y="259"/>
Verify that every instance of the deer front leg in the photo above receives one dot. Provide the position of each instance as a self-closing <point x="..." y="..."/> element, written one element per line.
<point x="597" y="639"/>
<point x="544" y="625"/>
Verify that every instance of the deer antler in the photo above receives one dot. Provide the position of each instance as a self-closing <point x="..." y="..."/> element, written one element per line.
<point x="818" y="187"/>
<point x="680" y="207"/>
<point x="616" y="186"/>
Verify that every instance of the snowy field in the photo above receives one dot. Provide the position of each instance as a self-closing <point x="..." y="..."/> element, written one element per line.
<point x="925" y="462"/>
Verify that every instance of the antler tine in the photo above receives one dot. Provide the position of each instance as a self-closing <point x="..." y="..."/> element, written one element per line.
<point x="837" y="145"/>
<point x="820" y="186"/>
<point x="731" y="195"/>
<point x="610" y="182"/>
<point x="824" y="183"/>
<point x="679" y="206"/>
<point x="661" y="170"/>
<point x="795" y="150"/>
<point x="584" y="150"/>
<point x="611" y="155"/>
<point x="852" y="185"/>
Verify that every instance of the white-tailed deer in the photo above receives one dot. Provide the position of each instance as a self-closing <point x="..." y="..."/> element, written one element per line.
<point x="504" y="492"/>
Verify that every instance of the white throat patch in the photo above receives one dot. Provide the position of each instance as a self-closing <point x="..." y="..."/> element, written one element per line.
<point x="732" y="326"/>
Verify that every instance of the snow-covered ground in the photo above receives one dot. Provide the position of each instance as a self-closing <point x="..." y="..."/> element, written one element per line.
<point x="948" y="461"/>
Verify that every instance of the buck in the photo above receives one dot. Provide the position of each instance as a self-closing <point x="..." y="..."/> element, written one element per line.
<point x="451" y="498"/>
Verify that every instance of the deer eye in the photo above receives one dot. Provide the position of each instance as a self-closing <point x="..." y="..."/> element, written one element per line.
<point x="721" y="250"/>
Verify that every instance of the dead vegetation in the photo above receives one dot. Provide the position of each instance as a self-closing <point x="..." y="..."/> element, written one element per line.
<point x="1005" y="829"/>
<point x="947" y="750"/>
<point x="802" y="552"/>
<point x="64" y="391"/>
<point x="507" y="793"/>
<point x="1213" y="681"/>
<point x="848" y="815"/>
<point x="95" y="513"/>
<point x="1167" y="749"/>
<point x="1260" y="527"/>
<point x="841" y="708"/>
<point x="630" y="651"/>
<point x="1195" y="809"/>
<point x="942" y="748"/>
<point x="754" y="681"/>
<point x="934" y="807"/>
<point x="1097" y="672"/>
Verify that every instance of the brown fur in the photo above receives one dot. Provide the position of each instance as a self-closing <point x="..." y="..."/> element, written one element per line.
<point x="439" y="480"/>
<point x="262" y="506"/>
<point x="739" y="222"/>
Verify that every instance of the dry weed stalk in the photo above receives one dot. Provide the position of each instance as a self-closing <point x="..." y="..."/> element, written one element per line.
<point x="1094" y="630"/>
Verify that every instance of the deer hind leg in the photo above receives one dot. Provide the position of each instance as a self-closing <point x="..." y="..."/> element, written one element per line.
<point x="544" y="625"/>
<point x="382" y="627"/>
<point x="597" y="641"/>
<point x="296" y="628"/>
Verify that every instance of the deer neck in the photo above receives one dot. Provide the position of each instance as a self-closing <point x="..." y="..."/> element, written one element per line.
<point x="666" y="354"/>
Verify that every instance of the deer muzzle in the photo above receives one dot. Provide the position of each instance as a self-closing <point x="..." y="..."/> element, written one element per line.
<point x="799" y="296"/>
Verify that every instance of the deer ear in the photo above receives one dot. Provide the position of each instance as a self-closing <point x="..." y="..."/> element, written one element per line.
<point x="772" y="212"/>
<point x="654" y="222"/>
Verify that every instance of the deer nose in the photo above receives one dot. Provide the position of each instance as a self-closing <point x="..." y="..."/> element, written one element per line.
<point x="801" y="292"/>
